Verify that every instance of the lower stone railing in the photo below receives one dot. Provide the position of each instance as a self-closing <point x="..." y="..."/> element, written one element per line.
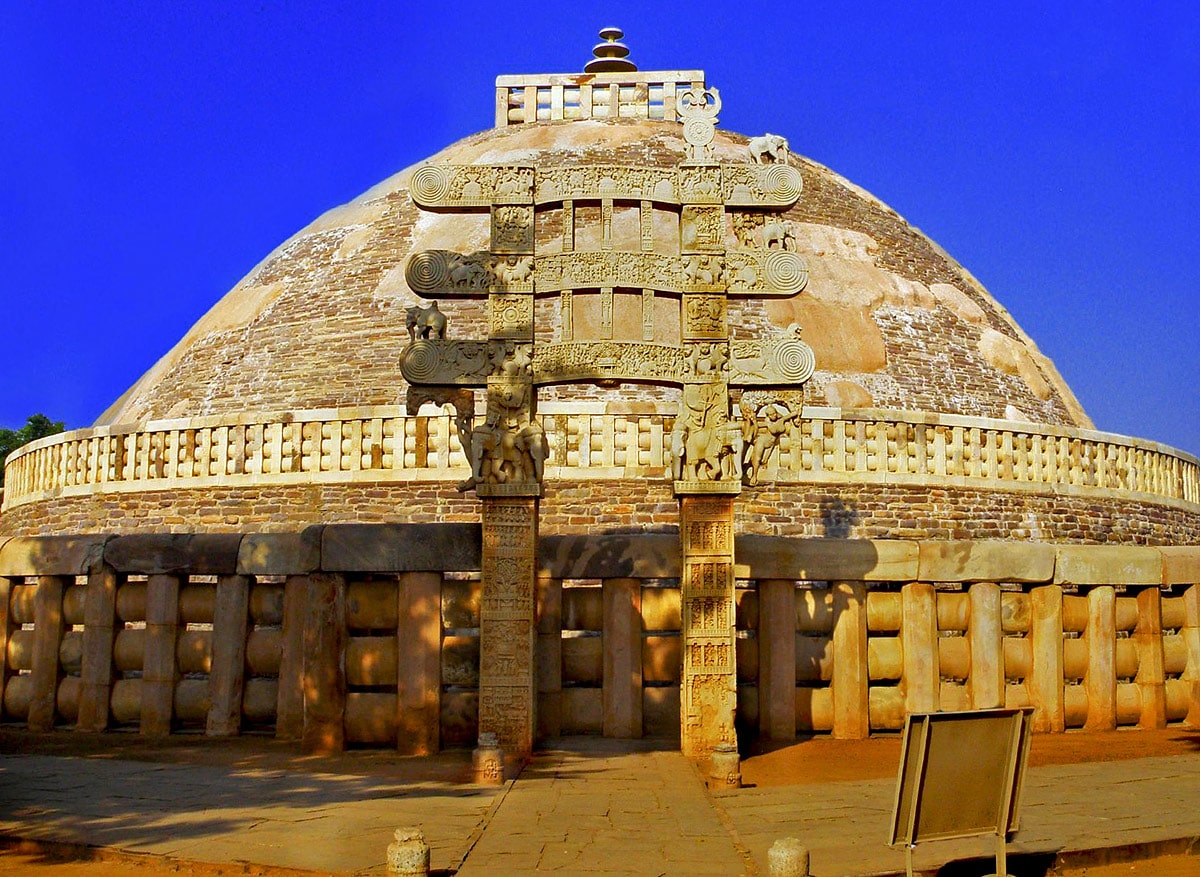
<point x="589" y="441"/>
<point x="218" y="632"/>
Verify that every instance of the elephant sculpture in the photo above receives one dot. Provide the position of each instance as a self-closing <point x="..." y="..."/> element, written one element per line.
<point x="768" y="146"/>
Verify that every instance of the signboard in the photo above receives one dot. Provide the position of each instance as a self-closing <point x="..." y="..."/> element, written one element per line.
<point x="961" y="775"/>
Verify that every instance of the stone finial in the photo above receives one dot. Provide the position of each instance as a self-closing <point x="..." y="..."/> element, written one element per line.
<point x="408" y="854"/>
<point x="611" y="55"/>
<point x="787" y="857"/>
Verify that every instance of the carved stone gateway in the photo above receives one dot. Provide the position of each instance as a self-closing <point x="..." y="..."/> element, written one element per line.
<point x="712" y="452"/>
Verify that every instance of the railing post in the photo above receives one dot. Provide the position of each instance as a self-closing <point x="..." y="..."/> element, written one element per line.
<point x="160" y="667"/>
<point x="1151" y="675"/>
<point x="1101" y="637"/>
<point x="48" y="632"/>
<point x="919" y="642"/>
<point x="226" y="679"/>
<point x="622" y="630"/>
<point x="419" y="664"/>
<point x="777" y="659"/>
<point x="99" y="636"/>
<point x="986" y="640"/>
<point x="1046" y="684"/>
<point x="849" y="683"/>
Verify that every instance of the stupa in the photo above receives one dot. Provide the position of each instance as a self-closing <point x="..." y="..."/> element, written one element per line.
<point x="602" y="421"/>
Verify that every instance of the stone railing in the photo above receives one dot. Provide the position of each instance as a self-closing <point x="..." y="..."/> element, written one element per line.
<point x="183" y="632"/>
<point x="828" y="446"/>
<point x="555" y="98"/>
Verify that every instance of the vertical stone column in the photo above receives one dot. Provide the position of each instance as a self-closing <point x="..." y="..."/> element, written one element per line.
<point x="851" y="719"/>
<point x="919" y="640"/>
<point x="985" y="636"/>
<point x="709" y="687"/>
<point x="507" y="695"/>
<point x="419" y="664"/>
<point x="1151" y="674"/>
<point x="99" y="635"/>
<point x="289" y="704"/>
<point x="1101" y="679"/>
<point x="622" y="693"/>
<point x="1191" y="638"/>
<point x="159" y="664"/>
<point x="1046" y="681"/>
<point x="324" y="673"/>
<point x="227" y="678"/>
<point x="6" y="628"/>
<point x="777" y="659"/>
<point x="48" y="632"/>
<point x="549" y="657"/>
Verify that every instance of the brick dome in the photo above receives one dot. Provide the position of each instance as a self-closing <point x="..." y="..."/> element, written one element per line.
<point x="894" y="321"/>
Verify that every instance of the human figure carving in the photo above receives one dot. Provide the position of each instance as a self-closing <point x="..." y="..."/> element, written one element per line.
<point x="761" y="435"/>
<point x="768" y="146"/>
<point x="424" y="322"/>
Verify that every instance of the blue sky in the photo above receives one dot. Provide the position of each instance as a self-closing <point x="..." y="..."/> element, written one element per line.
<point x="154" y="153"/>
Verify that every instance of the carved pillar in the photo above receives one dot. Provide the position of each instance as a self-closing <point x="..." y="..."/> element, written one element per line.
<point x="1101" y="678"/>
<point x="47" y="638"/>
<point x="507" y="690"/>
<point x="226" y="680"/>
<point x="99" y="635"/>
<point x="160" y="668"/>
<point x="709" y="687"/>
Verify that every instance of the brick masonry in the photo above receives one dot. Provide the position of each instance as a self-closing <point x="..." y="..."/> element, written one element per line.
<point x="625" y="506"/>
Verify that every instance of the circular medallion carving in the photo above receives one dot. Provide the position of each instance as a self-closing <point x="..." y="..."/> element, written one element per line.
<point x="785" y="271"/>
<point x="427" y="271"/>
<point x="421" y="361"/>
<point x="783" y="182"/>
<point x="698" y="132"/>
<point x="429" y="184"/>
<point x="793" y="360"/>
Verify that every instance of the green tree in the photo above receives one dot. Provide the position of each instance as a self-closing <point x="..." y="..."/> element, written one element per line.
<point x="36" y="427"/>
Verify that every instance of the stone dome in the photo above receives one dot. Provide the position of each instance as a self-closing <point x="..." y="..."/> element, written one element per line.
<point x="895" y="322"/>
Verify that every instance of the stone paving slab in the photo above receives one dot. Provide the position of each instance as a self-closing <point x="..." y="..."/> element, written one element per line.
<point x="596" y="808"/>
<point x="1065" y="808"/>
<point x="322" y="822"/>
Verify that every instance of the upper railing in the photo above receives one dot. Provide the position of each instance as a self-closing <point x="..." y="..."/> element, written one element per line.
<point x="828" y="446"/>
<point x="569" y="96"/>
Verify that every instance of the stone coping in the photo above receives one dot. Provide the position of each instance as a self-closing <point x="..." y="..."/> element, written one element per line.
<point x="401" y="548"/>
<point x="595" y="441"/>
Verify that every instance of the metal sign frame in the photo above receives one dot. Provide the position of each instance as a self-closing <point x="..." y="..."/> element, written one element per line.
<point x="961" y="775"/>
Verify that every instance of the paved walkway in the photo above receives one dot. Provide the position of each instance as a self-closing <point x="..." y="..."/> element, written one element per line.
<point x="595" y="809"/>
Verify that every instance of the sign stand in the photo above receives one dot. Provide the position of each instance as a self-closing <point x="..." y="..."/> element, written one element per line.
<point x="961" y="775"/>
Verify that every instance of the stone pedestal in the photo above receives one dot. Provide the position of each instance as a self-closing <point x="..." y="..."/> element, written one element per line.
<point x="487" y="761"/>
<point x="725" y="767"/>
<point x="709" y="687"/>
<point x="507" y="678"/>
<point x="787" y="857"/>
